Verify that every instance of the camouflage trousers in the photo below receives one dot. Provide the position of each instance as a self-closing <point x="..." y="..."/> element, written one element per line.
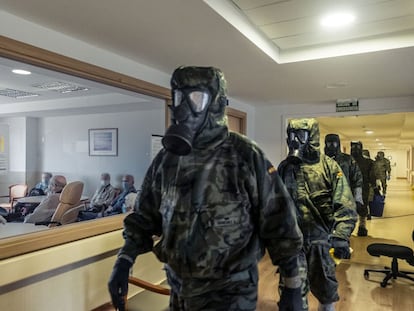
<point x="317" y="273"/>
<point x="236" y="293"/>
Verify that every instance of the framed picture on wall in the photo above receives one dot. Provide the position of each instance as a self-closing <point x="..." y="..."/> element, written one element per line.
<point x="103" y="142"/>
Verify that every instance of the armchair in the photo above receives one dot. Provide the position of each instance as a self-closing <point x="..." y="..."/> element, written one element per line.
<point x="16" y="191"/>
<point x="395" y="252"/>
<point x="68" y="207"/>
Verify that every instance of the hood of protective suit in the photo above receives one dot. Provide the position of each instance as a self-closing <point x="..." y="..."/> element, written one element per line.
<point x="380" y="155"/>
<point x="213" y="127"/>
<point x="311" y="152"/>
<point x="356" y="149"/>
<point x="332" y="145"/>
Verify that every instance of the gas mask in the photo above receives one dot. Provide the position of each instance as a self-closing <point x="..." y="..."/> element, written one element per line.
<point x="380" y="155"/>
<point x="356" y="149"/>
<point x="297" y="142"/>
<point x="194" y="90"/>
<point x="332" y="145"/>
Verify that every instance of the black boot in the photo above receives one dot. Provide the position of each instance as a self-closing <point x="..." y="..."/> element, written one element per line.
<point x="362" y="231"/>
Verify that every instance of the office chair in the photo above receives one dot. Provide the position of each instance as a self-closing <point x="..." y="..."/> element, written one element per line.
<point x="395" y="252"/>
<point x="16" y="192"/>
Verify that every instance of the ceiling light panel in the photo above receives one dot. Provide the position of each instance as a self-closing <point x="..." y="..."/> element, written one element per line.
<point x="12" y="93"/>
<point x="293" y="27"/>
<point x="61" y="87"/>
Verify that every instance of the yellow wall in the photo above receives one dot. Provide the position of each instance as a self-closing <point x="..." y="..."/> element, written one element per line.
<point x="69" y="277"/>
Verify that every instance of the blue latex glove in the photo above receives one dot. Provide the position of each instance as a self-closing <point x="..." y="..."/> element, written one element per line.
<point x="118" y="283"/>
<point x="290" y="299"/>
<point x="341" y="248"/>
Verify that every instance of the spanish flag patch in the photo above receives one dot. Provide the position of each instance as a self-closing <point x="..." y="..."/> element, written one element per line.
<point x="271" y="170"/>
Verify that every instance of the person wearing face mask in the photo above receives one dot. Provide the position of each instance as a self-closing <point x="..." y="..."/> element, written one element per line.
<point x="348" y="165"/>
<point x="116" y="207"/>
<point x="104" y="194"/>
<point x="216" y="202"/>
<point x="325" y="209"/>
<point x="42" y="187"/>
<point x="102" y="198"/>
<point x="366" y="166"/>
<point x="382" y="168"/>
<point x="44" y="211"/>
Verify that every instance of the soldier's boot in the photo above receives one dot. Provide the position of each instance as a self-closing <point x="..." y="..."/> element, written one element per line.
<point x="362" y="229"/>
<point x="326" y="307"/>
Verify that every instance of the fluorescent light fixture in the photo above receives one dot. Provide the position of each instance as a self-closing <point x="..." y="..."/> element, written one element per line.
<point x="21" y="72"/>
<point x="369" y="132"/>
<point x="336" y="20"/>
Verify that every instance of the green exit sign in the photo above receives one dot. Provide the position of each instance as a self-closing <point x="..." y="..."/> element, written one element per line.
<point x="343" y="105"/>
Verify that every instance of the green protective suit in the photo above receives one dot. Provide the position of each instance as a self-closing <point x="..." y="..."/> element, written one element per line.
<point x="216" y="210"/>
<point x="325" y="208"/>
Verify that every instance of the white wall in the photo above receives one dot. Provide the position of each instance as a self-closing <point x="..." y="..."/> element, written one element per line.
<point x="17" y="154"/>
<point x="64" y="145"/>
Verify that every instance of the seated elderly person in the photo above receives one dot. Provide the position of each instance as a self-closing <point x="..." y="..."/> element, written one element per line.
<point x="42" y="187"/>
<point x="45" y="210"/>
<point x="103" y="197"/>
<point x="104" y="194"/>
<point x="117" y="205"/>
<point x="21" y="209"/>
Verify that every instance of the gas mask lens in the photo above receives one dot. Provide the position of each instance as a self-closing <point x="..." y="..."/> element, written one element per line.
<point x="332" y="144"/>
<point x="198" y="100"/>
<point x="301" y="136"/>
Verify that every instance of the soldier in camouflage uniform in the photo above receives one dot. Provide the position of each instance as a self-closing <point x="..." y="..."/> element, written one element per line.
<point x="325" y="208"/>
<point x="368" y="183"/>
<point x="348" y="165"/>
<point x="216" y="202"/>
<point x="382" y="169"/>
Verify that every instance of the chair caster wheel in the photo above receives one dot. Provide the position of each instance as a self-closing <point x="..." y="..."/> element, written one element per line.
<point x="366" y="275"/>
<point x="384" y="284"/>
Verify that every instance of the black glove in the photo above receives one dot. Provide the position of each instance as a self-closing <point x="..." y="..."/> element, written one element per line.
<point x="341" y="248"/>
<point x="118" y="283"/>
<point x="291" y="299"/>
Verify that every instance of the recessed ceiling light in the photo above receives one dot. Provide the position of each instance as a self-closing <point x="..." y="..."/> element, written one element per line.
<point x="21" y="72"/>
<point x="336" y="85"/>
<point x="369" y="132"/>
<point x="336" y="20"/>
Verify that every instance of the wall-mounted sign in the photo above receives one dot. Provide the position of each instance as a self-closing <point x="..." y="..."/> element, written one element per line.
<point x="343" y="105"/>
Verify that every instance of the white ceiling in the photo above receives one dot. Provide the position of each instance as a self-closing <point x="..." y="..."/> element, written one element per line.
<point x="165" y="34"/>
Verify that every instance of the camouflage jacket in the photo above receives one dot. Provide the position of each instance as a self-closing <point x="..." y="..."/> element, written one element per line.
<point x="324" y="201"/>
<point x="351" y="170"/>
<point x="382" y="168"/>
<point x="216" y="210"/>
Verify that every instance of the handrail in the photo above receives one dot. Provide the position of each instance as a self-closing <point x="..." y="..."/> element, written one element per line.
<point x="149" y="286"/>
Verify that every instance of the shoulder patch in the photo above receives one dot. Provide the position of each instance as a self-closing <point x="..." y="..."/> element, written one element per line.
<point x="271" y="170"/>
<point x="339" y="175"/>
